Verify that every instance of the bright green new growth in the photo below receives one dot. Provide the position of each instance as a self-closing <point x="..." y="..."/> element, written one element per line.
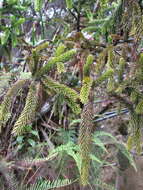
<point x="87" y="81"/>
<point x="71" y="95"/>
<point x="61" y="88"/>
<point x="60" y="68"/>
<point x="104" y="76"/>
<point x="74" y="106"/>
<point x="136" y="123"/>
<point x="85" y="141"/>
<point x="53" y="61"/>
<point x="38" y="5"/>
<point x="6" y="104"/>
<point x="87" y="65"/>
<point x="139" y="107"/>
<point x="85" y="89"/>
<point x="61" y="48"/>
<point x="110" y="63"/>
<point x="69" y="4"/>
<point x="49" y="185"/>
<point x="41" y="47"/>
<point x="29" y="111"/>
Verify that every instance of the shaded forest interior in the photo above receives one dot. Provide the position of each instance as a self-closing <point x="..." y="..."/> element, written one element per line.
<point x="71" y="94"/>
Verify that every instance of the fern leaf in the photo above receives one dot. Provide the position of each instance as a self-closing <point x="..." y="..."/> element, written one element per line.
<point x="6" y="104"/>
<point x="38" y="5"/>
<point x="110" y="57"/>
<point x="139" y="107"/>
<point x="28" y="112"/>
<point x="87" y="66"/>
<point x="104" y="77"/>
<point x="52" y="62"/>
<point x="69" y="4"/>
<point x="130" y="142"/>
<point x="111" y="85"/>
<point x="74" y="106"/>
<point x="84" y="141"/>
<point x="41" y="47"/>
<point x="61" y="68"/>
<point x="85" y="90"/>
<point x="134" y="95"/>
<point x="60" y="50"/>
<point x="136" y="123"/>
<point x="61" y="88"/>
<point x="137" y="140"/>
<point x="47" y="185"/>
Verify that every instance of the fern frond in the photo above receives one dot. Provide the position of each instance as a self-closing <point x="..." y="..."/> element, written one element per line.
<point x="46" y="185"/>
<point x="85" y="140"/>
<point x="111" y="85"/>
<point x="60" y="50"/>
<point x="85" y="90"/>
<point x="139" y="107"/>
<point x="38" y="5"/>
<point x="104" y="185"/>
<point x="135" y="95"/>
<point x="60" y="88"/>
<point x="69" y="4"/>
<point x="52" y="62"/>
<point x="110" y="57"/>
<point x="87" y="65"/>
<point x="130" y="142"/>
<point x="74" y="106"/>
<point x="61" y="68"/>
<point x="138" y="140"/>
<point x="136" y="123"/>
<point x="41" y="47"/>
<point x="28" y="112"/>
<point x="6" y="104"/>
<point x="104" y="76"/>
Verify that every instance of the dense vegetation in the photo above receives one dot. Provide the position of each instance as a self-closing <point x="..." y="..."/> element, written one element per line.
<point x="71" y="99"/>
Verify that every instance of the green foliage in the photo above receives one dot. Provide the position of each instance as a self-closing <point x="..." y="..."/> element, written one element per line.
<point x="70" y="95"/>
<point x="69" y="4"/>
<point x="87" y="65"/>
<point x="38" y="5"/>
<point x="60" y="50"/>
<point x="60" y="68"/>
<point x="107" y="74"/>
<point x="85" y="141"/>
<point x="74" y="106"/>
<point x="119" y="69"/>
<point x="139" y="107"/>
<point x="6" y="104"/>
<point x="41" y="47"/>
<point x="87" y="80"/>
<point x="28" y="113"/>
<point x="27" y="142"/>
<point x="63" y="89"/>
<point x="136" y="125"/>
<point x="55" y="60"/>
<point x="85" y="90"/>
